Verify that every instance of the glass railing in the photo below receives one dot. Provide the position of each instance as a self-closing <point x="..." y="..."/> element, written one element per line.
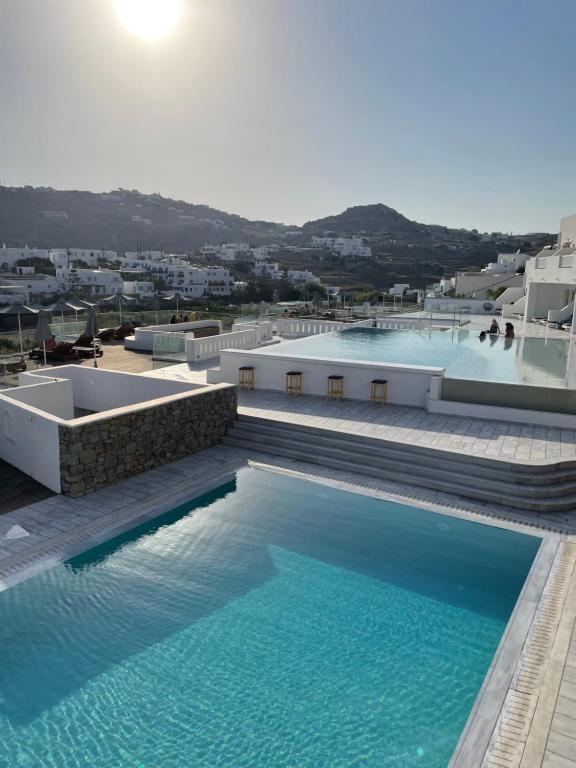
<point x="169" y="346"/>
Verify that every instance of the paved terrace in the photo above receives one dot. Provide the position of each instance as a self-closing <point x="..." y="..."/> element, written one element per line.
<point x="478" y="437"/>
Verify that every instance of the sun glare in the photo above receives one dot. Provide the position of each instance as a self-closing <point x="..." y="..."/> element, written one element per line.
<point x="149" y="19"/>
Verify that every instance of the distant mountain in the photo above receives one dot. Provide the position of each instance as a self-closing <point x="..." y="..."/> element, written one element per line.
<point x="382" y="222"/>
<point x="121" y="220"/>
<point x="125" y="220"/>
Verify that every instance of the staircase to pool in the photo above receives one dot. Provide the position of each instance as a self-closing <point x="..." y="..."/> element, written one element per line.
<point x="538" y="487"/>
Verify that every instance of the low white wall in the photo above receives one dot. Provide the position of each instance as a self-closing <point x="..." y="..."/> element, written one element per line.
<point x="29" y="440"/>
<point x="473" y="306"/>
<point x="55" y="397"/>
<point x="266" y="328"/>
<point x="407" y="384"/>
<point x="517" y="308"/>
<point x="297" y="328"/>
<point x="413" y="323"/>
<point x="211" y="346"/>
<point x="509" y="296"/>
<point x="143" y="338"/>
<point x="95" y="389"/>
<point x="498" y="413"/>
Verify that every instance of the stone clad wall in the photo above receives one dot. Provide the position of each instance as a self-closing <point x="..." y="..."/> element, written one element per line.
<point x="100" y="450"/>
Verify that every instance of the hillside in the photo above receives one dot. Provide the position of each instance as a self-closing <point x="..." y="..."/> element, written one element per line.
<point x="119" y="220"/>
<point x="125" y="220"/>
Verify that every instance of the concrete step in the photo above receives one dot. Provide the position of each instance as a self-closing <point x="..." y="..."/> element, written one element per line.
<point x="449" y="472"/>
<point x="337" y="450"/>
<point x="431" y="457"/>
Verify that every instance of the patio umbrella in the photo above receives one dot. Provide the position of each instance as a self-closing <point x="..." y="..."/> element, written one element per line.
<point x="178" y="297"/>
<point x="91" y="329"/>
<point x="119" y="299"/>
<point x="63" y="306"/>
<point x="43" y="333"/>
<point x="81" y="302"/>
<point x="19" y="309"/>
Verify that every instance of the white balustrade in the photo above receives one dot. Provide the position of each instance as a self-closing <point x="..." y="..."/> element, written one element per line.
<point x="210" y="347"/>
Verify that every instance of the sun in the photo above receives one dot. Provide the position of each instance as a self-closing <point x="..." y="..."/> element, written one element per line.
<point x="149" y="19"/>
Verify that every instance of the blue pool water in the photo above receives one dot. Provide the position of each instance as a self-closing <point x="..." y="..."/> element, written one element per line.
<point x="273" y="623"/>
<point x="537" y="361"/>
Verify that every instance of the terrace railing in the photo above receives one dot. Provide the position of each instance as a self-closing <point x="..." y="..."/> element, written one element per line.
<point x="169" y="346"/>
<point x="210" y="347"/>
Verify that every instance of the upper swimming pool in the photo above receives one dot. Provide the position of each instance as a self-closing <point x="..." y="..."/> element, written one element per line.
<point x="537" y="361"/>
<point x="272" y="623"/>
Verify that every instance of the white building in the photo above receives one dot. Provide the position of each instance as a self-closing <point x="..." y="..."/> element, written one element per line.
<point x="268" y="269"/>
<point x="141" y="288"/>
<point x="226" y="251"/>
<point x="180" y="276"/>
<point x="500" y="274"/>
<point x="345" y="246"/>
<point x="399" y="289"/>
<point x="478" y="285"/>
<point x="26" y="287"/>
<point x="550" y="286"/>
<point x="549" y="290"/>
<point x="9" y="256"/>
<point x="99" y="282"/>
<point x="567" y="235"/>
<point x="67" y="257"/>
<point x="272" y="271"/>
<point x="507" y="262"/>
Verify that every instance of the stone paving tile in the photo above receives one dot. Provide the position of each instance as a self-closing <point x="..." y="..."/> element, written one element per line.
<point x="478" y="437"/>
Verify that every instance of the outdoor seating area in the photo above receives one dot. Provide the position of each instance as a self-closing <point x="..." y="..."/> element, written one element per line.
<point x="65" y="351"/>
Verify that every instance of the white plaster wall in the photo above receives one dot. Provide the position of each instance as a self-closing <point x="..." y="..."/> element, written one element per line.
<point x="55" y="397"/>
<point x="541" y="297"/>
<point x="568" y="230"/>
<point x="29" y="441"/>
<point x="474" y="306"/>
<point x="509" y="296"/>
<point x="499" y="413"/>
<point x="481" y="283"/>
<point x="407" y="385"/>
<point x="98" y="390"/>
<point x="211" y="346"/>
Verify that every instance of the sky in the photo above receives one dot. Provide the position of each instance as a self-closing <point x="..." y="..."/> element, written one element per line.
<point x="453" y="112"/>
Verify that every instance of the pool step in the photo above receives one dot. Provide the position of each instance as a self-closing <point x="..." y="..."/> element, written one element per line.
<point x="541" y="487"/>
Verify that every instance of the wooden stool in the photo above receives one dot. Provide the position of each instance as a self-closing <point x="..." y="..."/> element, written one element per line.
<point x="294" y="382"/>
<point x="246" y="377"/>
<point x="335" y="387"/>
<point x="378" y="391"/>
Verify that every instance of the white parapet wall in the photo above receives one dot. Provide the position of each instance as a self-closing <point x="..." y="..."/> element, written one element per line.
<point x="292" y="327"/>
<point x="29" y="419"/>
<point x="266" y="328"/>
<point x="143" y="339"/>
<point x="95" y="389"/>
<point x="407" y="384"/>
<point x="211" y="346"/>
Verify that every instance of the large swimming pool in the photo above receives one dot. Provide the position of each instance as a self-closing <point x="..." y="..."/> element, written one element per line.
<point x="272" y="623"/>
<point x="537" y="361"/>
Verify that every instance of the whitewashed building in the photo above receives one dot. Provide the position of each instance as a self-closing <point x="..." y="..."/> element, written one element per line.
<point x="185" y="278"/>
<point x="355" y="247"/>
<point x="142" y="288"/>
<point x="9" y="256"/>
<point x="67" y="257"/>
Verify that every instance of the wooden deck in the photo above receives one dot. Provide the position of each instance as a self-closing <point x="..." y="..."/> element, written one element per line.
<point x="18" y="490"/>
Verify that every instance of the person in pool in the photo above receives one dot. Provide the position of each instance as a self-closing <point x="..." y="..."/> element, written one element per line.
<point x="509" y="332"/>
<point x="494" y="327"/>
<point x="482" y="336"/>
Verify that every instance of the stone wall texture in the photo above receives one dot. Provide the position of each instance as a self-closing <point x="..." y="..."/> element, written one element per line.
<point x="103" y="450"/>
